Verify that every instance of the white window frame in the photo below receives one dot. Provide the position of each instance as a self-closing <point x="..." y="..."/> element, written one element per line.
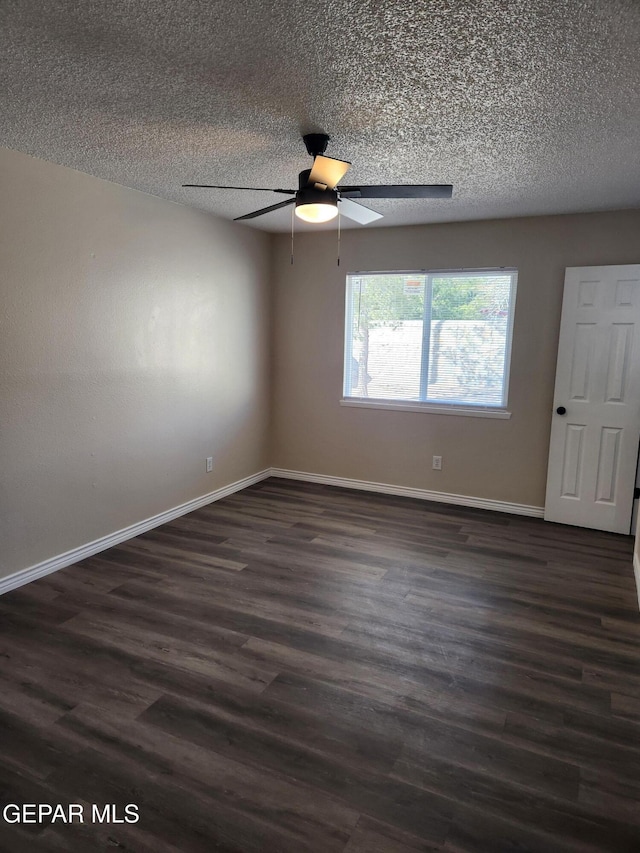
<point x="455" y="407"/>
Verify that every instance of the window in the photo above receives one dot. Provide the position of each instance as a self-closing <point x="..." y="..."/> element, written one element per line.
<point x="429" y="339"/>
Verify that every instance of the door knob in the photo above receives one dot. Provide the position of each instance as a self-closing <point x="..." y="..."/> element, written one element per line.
<point x="561" y="410"/>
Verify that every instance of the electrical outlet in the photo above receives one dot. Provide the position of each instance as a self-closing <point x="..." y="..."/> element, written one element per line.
<point x="437" y="463"/>
<point x="209" y="464"/>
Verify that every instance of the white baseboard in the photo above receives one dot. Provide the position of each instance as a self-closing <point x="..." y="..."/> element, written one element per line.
<point x="47" y="567"/>
<point x="407" y="492"/>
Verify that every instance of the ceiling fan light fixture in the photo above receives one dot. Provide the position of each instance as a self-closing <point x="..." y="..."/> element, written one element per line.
<point x="316" y="205"/>
<point x="316" y="212"/>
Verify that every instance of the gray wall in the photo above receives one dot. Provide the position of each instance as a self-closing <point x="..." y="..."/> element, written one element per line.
<point x="133" y="343"/>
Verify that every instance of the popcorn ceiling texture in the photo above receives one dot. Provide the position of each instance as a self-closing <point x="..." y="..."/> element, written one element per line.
<point x="526" y="107"/>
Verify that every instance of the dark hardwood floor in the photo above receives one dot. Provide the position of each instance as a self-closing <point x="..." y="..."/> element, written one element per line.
<point x="301" y="668"/>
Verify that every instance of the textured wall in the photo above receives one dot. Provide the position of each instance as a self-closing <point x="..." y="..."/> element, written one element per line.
<point x="495" y="459"/>
<point x="133" y="344"/>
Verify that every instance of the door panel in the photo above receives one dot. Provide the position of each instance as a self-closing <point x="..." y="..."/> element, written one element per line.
<point x="582" y="360"/>
<point x="619" y="354"/>
<point x="573" y="443"/>
<point x="594" y="444"/>
<point x="608" y="464"/>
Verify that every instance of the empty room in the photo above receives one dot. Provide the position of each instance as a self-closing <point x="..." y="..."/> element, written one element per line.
<point x="319" y="426"/>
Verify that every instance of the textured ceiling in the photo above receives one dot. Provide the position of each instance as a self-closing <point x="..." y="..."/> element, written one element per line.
<point x="525" y="106"/>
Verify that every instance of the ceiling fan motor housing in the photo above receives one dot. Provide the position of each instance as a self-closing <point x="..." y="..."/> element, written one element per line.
<point x="303" y="179"/>
<point x="310" y="195"/>
<point x="315" y="202"/>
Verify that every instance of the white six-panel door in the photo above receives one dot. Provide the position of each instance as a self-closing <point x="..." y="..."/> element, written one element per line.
<point x="594" y="443"/>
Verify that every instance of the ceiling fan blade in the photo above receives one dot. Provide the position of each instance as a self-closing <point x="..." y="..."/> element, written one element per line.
<point x="255" y="189"/>
<point x="328" y="171"/>
<point x="357" y="212"/>
<point x="265" y="210"/>
<point x="398" y="191"/>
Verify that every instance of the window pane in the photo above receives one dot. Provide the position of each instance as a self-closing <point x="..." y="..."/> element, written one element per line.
<point x="468" y="341"/>
<point x="386" y="336"/>
<point x="429" y="337"/>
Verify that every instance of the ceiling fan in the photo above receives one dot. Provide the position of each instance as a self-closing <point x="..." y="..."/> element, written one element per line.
<point x="319" y="198"/>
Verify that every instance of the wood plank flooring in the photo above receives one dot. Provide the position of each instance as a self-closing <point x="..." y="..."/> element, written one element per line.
<point x="303" y="669"/>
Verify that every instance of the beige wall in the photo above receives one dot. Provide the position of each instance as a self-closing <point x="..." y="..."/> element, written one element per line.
<point x="133" y="344"/>
<point x="502" y="460"/>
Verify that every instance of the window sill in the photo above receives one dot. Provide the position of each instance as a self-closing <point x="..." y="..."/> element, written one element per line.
<point x="431" y="408"/>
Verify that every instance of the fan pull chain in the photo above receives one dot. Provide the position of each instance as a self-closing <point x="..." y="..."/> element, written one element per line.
<point x="338" y="236"/>
<point x="292" y="222"/>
